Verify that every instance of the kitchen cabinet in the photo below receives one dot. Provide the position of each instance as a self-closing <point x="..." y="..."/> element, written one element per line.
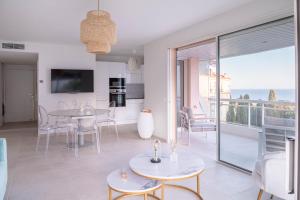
<point x="128" y="114"/>
<point x="136" y="76"/>
<point x="105" y="70"/>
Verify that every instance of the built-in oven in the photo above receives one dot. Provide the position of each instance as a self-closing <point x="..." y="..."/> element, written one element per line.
<point x="117" y="100"/>
<point x="117" y="92"/>
<point x="117" y="82"/>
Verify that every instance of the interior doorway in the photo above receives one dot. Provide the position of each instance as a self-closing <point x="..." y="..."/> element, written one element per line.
<point x="18" y="94"/>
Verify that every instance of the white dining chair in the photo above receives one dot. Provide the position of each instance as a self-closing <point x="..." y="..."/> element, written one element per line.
<point x="62" y="105"/>
<point x="45" y="127"/>
<point x="86" y="125"/>
<point x="109" y="119"/>
<point x="76" y="104"/>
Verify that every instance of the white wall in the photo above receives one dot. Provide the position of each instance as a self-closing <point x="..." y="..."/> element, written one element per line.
<point x="59" y="56"/>
<point x="156" y="52"/>
<point x="72" y="57"/>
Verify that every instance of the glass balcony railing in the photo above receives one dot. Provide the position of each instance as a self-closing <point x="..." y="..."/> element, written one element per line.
<point x="252" y="113"/>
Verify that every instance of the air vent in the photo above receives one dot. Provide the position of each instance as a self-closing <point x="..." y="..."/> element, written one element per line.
<point x="13" y="46"/>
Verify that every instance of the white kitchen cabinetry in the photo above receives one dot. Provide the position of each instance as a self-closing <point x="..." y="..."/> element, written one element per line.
<point x="117" y="69"/>
<point x="136" y="76"/>
<point x="105" y="70"/>
<point x="130" y="113"/>
<point x="101" y="76"/>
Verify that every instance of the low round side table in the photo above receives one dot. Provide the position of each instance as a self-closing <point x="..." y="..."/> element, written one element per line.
<point x="133" y="185"/>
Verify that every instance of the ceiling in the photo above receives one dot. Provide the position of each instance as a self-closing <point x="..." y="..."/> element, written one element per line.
<point x="201" y="52"/>
<point x="18" y="58"/>
<point x="274" y="35"/>
<point x="270" y="36"/>
<point x="138" y="21"/>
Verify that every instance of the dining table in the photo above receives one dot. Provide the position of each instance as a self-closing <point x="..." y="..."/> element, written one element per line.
<point x="79" y="115"/>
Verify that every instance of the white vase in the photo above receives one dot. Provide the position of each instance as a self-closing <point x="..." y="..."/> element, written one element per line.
<point x="145" y="125"/>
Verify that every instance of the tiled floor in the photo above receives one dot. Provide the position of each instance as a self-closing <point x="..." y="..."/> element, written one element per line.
<point x="235" y="149"/>
<point x="240" y="151"/>
<point x="58" y="175"/>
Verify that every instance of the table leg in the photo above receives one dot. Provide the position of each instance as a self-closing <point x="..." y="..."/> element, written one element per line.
<point x="162" y="189"/>
<point x="109" y="194"/>
<point x="145" y="196"/>
<point x="80" y="137"/>
<point x="198" y="184"/>
<point x="81" y="140"/>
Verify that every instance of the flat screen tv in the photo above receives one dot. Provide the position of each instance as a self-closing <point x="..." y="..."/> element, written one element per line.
<point x="72" y="81"/>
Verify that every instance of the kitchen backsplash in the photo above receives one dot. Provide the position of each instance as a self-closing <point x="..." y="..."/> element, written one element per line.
<point x="134" y="91"/>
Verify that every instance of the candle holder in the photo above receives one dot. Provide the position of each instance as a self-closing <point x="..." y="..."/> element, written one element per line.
<point x="156" y="158"/>
<point x="124" y="174"/>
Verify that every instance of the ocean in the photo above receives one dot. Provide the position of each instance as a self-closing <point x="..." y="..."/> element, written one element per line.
<point x="263" y="94"/>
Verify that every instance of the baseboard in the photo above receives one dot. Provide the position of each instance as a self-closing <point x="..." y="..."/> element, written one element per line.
<point x="124" y="122"/>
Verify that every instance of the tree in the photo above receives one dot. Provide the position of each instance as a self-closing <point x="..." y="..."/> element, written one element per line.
<point x="230" y="115"/>
<point x="271" y="108"/>
<point x="272" y="95"/>
<point x="242" y="110"/>
<point x="246" y="96"/>
<point x="256" y="115"/>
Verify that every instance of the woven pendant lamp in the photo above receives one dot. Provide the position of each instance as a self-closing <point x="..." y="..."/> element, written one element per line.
<point x="98" y="32"/>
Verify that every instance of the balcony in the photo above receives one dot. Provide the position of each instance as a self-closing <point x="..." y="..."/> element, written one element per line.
<point x="242" y="123"/>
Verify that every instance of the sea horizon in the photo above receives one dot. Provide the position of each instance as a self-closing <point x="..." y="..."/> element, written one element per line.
<point x="263" y="94"/>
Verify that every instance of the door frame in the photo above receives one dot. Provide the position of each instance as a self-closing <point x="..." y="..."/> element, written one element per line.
<point x="172" y="83"/>
<point x="218" y="89"/>
<point x="297" y="76"/>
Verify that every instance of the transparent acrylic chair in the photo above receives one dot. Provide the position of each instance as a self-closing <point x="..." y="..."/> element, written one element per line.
<point x="109" y="119"/>
<point x="86" y="125"/>
<point x="45" y="127"/>
<point x="62" y="121"/>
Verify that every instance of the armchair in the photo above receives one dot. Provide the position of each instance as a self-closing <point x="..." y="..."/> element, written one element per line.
<point x="195" y="123"/>
<point x="269" y="175"/>
<point x="271" y="169"/>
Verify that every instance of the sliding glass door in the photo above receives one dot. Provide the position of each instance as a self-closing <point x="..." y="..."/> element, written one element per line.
<point x="256" y="87"/>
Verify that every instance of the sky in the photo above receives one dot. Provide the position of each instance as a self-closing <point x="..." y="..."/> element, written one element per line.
<point x="274" y="69"/>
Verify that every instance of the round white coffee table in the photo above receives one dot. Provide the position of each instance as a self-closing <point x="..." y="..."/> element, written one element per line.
<point x="132" y="185"/>
<point x="188" y="165"/>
